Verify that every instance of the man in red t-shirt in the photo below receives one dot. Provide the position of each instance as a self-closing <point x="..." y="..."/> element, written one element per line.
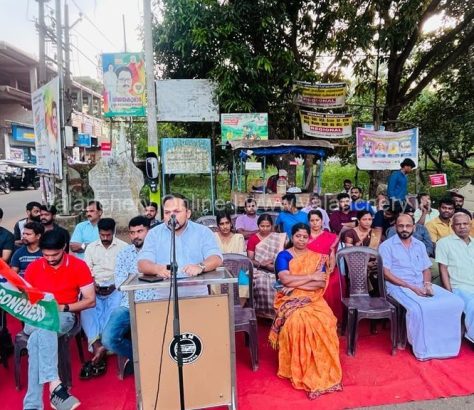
<point x="64" y="276"/>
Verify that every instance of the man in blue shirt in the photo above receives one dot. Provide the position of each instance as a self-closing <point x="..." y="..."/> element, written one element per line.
<point x="87" y="231"/>
<point x="197" y="250"/>
<point x="30" y="251"/>
<point x="290" y="214"/>
<point x="358" y="204"/>
<point x="397" y="189"/>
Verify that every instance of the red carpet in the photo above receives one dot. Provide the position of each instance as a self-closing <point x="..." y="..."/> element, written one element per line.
<point x="372" y="377"/>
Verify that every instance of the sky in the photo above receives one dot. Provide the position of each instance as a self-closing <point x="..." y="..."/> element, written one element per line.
<point x="99" y="31"/>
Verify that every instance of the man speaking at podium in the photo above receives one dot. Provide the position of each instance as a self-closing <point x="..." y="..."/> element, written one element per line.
<point x="197" y="250"/>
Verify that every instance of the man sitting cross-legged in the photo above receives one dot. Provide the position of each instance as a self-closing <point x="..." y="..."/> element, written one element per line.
<point x="433" y="314"/>
<point x="65" y="276"/>
<point x="114" y="336"/>
<point x="455" y="255"/>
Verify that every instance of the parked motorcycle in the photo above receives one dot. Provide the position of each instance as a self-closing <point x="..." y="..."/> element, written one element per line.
<point x="4" y="184"/>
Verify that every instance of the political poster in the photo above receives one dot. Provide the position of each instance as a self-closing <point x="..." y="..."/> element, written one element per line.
<point x="320" y="125"/>
<point x="438" y="180"/>
<point x="27" y="303"/>
<point x="186" y="155"/>
<point x="124" y="84"/>
<point x="330" y="95"/>
<point x="187" y="101"/>
<point x="244" y="126"/>
<point x="48" y="146"/>
<point x="381" y="150"/>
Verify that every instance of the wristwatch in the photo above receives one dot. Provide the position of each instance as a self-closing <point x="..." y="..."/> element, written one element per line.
<point x="202" y="266"/>
<point x="66" y="308"/>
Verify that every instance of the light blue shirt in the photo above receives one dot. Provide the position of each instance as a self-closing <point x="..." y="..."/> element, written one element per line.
<point x="195" y="244"/>
<point x="397" y="186"/>
<point x="86" y="233"/>
<point x="286" y="220"/>
<point x="125" y="266"/>
<point x="406" y="263"/>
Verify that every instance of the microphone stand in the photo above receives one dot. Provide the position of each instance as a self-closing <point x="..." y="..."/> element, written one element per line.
<point x="176" y="326"/>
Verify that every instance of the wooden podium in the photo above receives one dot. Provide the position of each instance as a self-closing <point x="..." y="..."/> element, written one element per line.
<point x="208" y="345"/>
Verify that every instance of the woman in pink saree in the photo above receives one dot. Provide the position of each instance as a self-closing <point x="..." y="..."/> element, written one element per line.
<point x="326" y="243"/>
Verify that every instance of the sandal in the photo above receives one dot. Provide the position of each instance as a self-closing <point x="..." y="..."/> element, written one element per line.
<point x="87" y="371"/>
<point x="99" y="368"/>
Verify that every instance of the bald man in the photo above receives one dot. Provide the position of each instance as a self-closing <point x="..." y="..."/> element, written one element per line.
<point x="455" y="255"/>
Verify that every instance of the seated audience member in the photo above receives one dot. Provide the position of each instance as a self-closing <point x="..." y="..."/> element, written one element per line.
<point x="433" y="314"/>
<point x="304" y="330"/>
<point x="421" y="233"/>
<point x="228" y="241"/>
<point x="151" y="211"/>
<point x="458" y="200"/>
<point x="347" y="184"/>
<point x="30" y="251"/>
<point x="326" y="243"/>
<point x="86" y="232"/>
<point x="343" y="217"/>
<point x="64" y="276"/>
<point x="290" y="214"/>
<point x="114" y="336"/>
<point x="358" y="204"/>
<point x="385" y="218"/>
<point x="47" y="219"/>
<point x="455" y="255"/>
<point x="441" y="226"/>
<point x="100" y="257"/>
<point x="32" y="215"/>
<point x="315" y="205"/>
<point x="247" y="224"/>
<point x="364" y="235"/>
<point x="197" y="251"/>
<point x="381" y="202"/>
<point x="7" y="241"/>
<point x="262" y="249"/>
<point x="425" y="213"/>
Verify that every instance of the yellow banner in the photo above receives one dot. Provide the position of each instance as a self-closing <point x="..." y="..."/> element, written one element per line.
<point x="322" y="125"/>
<point x="321" y="95"/>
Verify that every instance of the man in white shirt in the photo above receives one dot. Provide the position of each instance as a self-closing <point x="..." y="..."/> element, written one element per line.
<point x="100" y="256"/>
<point x="425" y="213"/>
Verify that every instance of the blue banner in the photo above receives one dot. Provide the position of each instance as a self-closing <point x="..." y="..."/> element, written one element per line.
<point x="84" y="140"/>
<point x="23" y="134"/>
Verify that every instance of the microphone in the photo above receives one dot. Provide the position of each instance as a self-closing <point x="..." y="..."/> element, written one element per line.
<point x="172" y="221"/>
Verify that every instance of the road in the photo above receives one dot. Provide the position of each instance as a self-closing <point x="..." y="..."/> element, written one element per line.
<point x="14" y="205"/>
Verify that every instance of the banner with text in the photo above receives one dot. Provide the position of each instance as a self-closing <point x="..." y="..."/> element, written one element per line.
<point x="186" y="155"/>
<point x="381" y="150"/>
<point x="319" y="95"/>
<point x="187" y="101"/>
<point x="322" y="125"/>
<point x="124" y="84"/>
<point x="45" y="106"/>
<point x="26" y="303"/>
<point x="244" y="126"/>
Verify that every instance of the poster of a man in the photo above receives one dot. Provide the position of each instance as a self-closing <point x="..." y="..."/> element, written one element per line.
<point x="47" y="128"/>
<point x="124" y="84"/>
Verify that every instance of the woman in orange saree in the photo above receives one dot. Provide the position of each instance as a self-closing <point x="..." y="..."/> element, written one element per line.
<point x="304" y="329"/>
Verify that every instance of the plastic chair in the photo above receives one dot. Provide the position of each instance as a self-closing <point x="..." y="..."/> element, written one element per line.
<point x="359" y="304"/>
<point x="209" y="221"/>
<point x="64" y="357"/>
<point x="245" y="319"/>
<point x="401" y="322"/>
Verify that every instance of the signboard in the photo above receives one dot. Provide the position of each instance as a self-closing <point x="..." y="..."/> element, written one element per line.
<point x="124" y="84"/>
<point x="45" y="106"/>
<point x="187" y="101"/>
<point x="186" y="155"/>
<point x="253" y="166"/>
<point x="17" y="154"/>
<point x="321" y="95"/>
<point x="23" y="134"/>
<point x="320" y="125"/>
<point x="105" y="149"/>
<point x="84" y="140"/>
<point x="438" y="180"/>
<point x="381" y="150"/>
<point x="235" y="127"/>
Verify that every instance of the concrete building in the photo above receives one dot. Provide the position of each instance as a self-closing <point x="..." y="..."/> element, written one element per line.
<point x="18" y="77"/>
